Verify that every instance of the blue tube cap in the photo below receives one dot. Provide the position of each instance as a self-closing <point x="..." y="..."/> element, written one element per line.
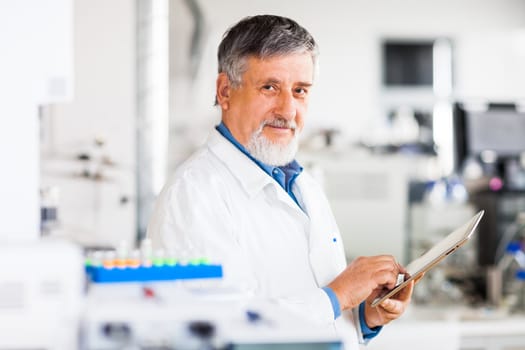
<point x="513" y="247"/>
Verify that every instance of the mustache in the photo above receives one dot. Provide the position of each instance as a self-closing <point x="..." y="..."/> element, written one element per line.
<point x="279" y="123"/>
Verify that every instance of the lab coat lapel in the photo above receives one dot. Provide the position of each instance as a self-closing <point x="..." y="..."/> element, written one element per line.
<point x="326" y="252"/>
<point x="284" y="197"/>
<point x="251" y="177"/>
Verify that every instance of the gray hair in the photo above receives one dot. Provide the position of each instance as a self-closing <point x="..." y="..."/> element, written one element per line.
<point x="262" y="37"/>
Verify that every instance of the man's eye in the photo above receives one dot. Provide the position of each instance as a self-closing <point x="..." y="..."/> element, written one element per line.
<point x="300" y="91"/>
<point x="268" y="87"/>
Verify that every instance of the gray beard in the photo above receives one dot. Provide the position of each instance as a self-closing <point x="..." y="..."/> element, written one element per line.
<point x="271" y="153"/>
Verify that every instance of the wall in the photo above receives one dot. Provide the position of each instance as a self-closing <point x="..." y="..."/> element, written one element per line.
<point x="347" y="92"/>
<point x="96" y="209"/>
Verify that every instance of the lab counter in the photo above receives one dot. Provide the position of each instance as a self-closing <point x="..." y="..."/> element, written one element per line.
<point x="453" y="328"/>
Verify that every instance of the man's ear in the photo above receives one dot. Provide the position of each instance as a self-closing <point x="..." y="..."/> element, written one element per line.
<point x="223" y="91"/>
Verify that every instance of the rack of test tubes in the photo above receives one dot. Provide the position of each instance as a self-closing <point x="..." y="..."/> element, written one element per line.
<point x="143" y="265"/>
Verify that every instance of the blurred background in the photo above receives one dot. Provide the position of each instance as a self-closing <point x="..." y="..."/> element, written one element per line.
<point x="380" y="132"/>
<point x="143" y="81"/>
<point x="416" y="122"/>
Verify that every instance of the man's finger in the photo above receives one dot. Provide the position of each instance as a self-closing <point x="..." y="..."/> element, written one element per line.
<point x="405" y="293"/>
<point x="387" y="279"/>
<point x="392" y="307"/>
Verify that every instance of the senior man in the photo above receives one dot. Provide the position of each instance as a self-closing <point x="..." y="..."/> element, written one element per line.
<point x="243" y="200"/>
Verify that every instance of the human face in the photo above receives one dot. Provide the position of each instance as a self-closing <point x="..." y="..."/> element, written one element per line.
<point x="272" y="98"/>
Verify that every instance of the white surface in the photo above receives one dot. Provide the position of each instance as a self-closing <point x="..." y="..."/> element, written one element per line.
<point x="35" y="68"/>
<point x="428" y="335"/>
<point x="19" y="181"/>
<point x="41" y="288"/>
<point x="452" y="328"/>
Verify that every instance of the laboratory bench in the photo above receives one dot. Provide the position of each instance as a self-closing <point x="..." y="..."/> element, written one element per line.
<point x="453" y="328"/>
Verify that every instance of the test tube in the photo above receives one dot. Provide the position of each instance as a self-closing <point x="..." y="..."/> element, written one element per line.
<point x="158" y="258"/>
<point x="94" y="259"/>
<point x="121" y="255"/>
<point x="519" y="256"/>
<point x="133" y="261"/>
<point x="146" y="252"/>
<point x="171" y="258"/>
<point x="109" y="261"/>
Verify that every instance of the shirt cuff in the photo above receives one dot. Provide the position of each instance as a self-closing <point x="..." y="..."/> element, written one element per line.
<point x="367" y="332"/>
<point x="335" y="302"/>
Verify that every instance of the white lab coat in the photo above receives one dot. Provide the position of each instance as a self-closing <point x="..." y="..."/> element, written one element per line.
<point x="221" y="204"/>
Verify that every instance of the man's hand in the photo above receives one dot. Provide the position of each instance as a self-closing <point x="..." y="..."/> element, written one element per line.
<point x="389" y="309"/>
<point x="362" y="277"/>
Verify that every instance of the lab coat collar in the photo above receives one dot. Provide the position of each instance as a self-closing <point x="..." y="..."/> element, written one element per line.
<point x="251" y="177"/>
<point x="248" y="173"/>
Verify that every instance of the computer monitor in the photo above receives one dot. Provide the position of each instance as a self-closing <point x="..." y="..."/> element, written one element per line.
<point x="408" y="63"/>
<point x="498" y="127"/>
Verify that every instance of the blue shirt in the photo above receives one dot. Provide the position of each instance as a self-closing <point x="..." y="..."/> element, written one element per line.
<point x="285" y="177"/>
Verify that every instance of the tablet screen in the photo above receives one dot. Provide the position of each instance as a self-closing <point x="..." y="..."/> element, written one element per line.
<point x="434" y="255"/>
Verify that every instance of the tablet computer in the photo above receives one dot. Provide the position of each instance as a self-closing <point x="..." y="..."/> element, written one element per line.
<point x="434" y="255"/>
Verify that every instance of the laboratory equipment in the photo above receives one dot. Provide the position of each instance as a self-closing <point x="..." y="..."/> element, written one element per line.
<point x="183" y="316"/>
<point x="512" y="267"/>
<point x="494" y="127"/>
<point x="490" y="136"/>
<point x="49" y="220"/>
<point x="144" y="264"/>
<point x="41" y="295"/>
<point x="502" y="220"/>
<point x="118" y="270"/>
<point x="177" y="300"/>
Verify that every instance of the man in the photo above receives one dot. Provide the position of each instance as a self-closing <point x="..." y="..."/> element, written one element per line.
<point x="244" y="201"/>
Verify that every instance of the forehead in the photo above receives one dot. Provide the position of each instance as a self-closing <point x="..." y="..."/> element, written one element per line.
<point x="297" y="67"/>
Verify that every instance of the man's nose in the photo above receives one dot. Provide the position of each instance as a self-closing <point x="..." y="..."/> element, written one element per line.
<point x="286" y="106"/>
